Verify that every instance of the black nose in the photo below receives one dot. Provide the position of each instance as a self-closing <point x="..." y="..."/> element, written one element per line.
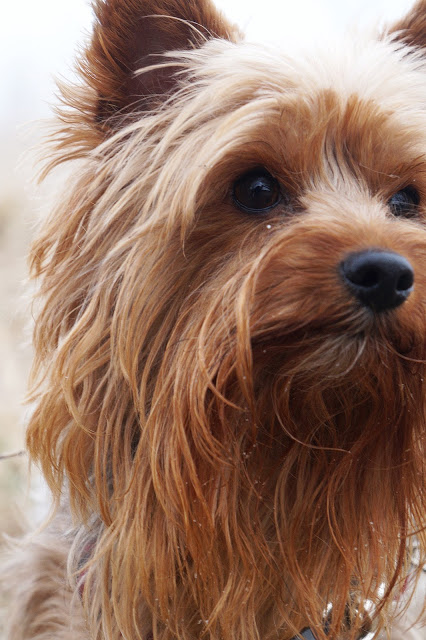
<point x="381" y="280"/>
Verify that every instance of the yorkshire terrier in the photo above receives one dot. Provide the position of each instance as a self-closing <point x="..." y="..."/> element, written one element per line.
<point x="230" y="338"/>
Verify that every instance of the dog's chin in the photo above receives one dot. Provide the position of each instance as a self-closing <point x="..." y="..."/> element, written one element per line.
<point x="354" y="344"/>
<point x="318" y="380"/>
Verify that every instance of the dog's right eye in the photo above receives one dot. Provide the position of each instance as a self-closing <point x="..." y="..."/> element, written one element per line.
<point x="405" y="202"/>
<point x="256" y="191"/>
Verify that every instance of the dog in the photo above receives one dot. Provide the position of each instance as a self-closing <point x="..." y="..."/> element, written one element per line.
<point x="228" y="380"/>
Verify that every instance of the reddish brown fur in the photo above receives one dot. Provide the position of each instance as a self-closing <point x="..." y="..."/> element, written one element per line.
<point x="412" y="28"/>
<point x="242" y="443"/>
<point x="127" y="36"/>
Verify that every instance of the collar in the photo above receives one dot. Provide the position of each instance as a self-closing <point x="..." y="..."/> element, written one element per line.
<point x="306" y="634"/>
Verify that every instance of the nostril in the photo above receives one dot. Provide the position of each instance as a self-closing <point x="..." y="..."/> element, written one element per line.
<point x="367" y="278"/>
<point x="405" y="281"/>
<point x="381" y="280"/>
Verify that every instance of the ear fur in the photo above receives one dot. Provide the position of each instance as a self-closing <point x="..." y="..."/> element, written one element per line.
<point x="129" y="35"/>
<point x="411" y="29"/>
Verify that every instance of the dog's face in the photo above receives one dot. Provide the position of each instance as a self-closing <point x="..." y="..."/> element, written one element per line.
<point x="233" y="338"/>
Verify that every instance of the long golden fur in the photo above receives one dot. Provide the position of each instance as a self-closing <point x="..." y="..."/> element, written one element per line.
<point x="239" y="441"/>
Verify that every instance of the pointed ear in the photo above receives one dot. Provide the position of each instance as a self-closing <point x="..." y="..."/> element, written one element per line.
<point x="132" y="34"/>
<point x="412" y="29"/>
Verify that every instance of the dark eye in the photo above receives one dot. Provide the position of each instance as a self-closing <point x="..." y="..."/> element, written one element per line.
<point x="256" y="191"/>
<point x="405" y="202"/>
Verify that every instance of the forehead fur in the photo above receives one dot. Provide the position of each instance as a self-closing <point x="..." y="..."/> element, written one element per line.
<point x="364" y="101"/>
<point x="380" y="70"/>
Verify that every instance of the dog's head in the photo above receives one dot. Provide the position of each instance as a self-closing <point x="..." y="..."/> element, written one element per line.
<point x="230" y="352"/>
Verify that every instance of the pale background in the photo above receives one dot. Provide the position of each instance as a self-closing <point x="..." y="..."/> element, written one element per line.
<point x="38" y="39"/>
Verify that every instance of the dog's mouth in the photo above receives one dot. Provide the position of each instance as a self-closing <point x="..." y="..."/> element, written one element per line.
<point x="341" y="343"/>
<point x="326" y="376"/>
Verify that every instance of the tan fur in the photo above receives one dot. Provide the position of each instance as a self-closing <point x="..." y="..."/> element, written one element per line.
<point x="241" y="443"/>
<point x="43" y="606"/>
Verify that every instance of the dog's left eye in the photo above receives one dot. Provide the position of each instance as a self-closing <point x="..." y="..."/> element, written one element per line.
<point x="405" y="202"/>
<point x="256" y="191"/>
